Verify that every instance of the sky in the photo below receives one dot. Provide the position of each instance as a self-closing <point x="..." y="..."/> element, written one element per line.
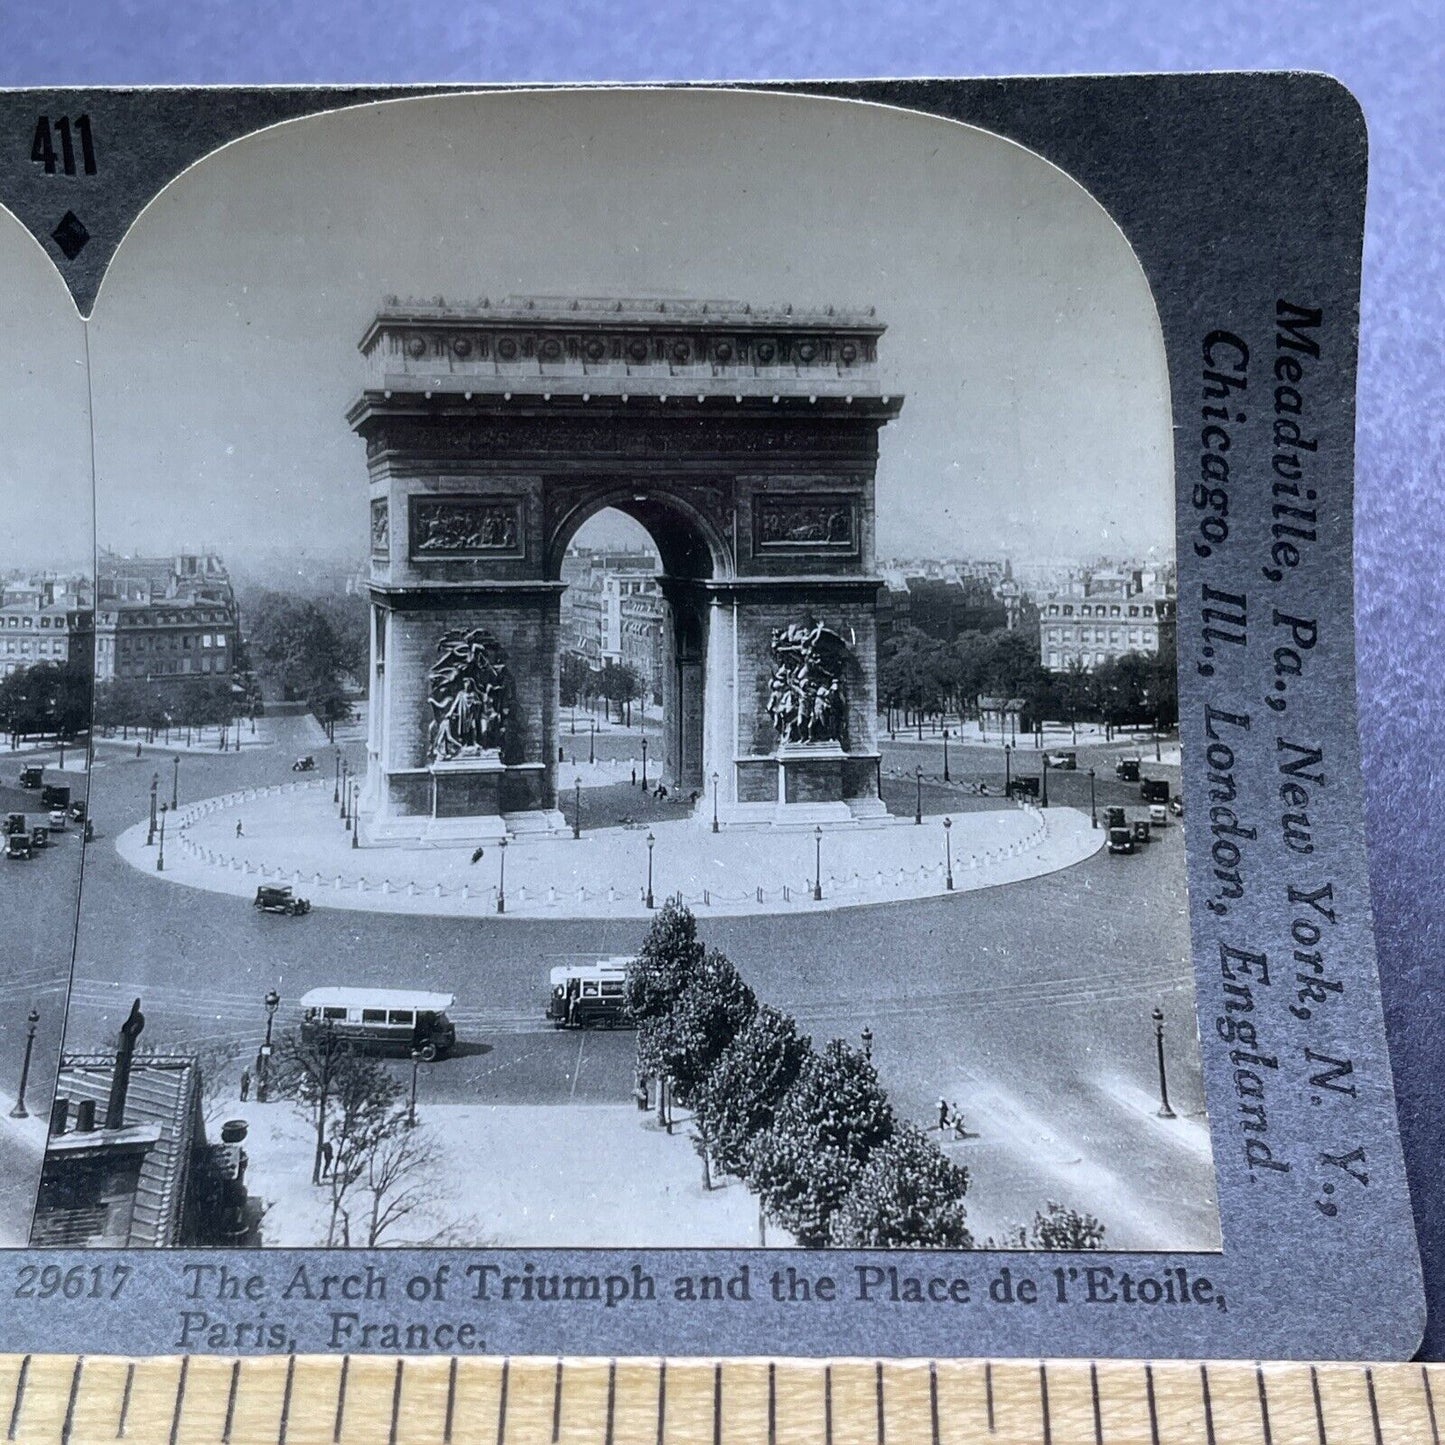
<point x="44" y="417"/>
<point x="1020" y="329"/>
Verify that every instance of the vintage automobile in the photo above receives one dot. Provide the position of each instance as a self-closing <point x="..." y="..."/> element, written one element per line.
<point x="1176" y="805"/>
<point x="1141" y="830"/>
<point x="55" y="795"/>
<point x="1023" y="787"/>
<point x="304" y="765"/>
<point x="1066" y="762"/>
<point x="1121" y="840"/>
<point x="32" y="775"/>
<point x="280" y="899"/>
<point x="394" y="1021"/>
<point x="1154" y="790"/>
<point x="1114" y="817"/>
<point x="1127" y="770"/>
<point x="40" y="835"/>
<point x="588" y="994"/>
<point x="17" y="845"/>
<point x="77" y="812"/>
<point x="14" y="823"/>
<point x="59" y="820"/>
<point x="1158" y="815"/>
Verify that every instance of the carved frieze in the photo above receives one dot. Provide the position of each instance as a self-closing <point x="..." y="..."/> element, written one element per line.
<point x="380" y="527"/>
<point x="807" y="690"/>
<point x="816" y="523"/>
<point x="449" y="528"/>
<point x="468" y="694"/>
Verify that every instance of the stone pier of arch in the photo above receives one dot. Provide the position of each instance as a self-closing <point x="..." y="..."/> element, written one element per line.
<point x="744" y="440"/>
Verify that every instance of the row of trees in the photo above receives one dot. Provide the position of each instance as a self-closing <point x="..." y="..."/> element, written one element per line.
<point x="46" y="699"/>
<point x="311" y="649"/>
<point x="617" y="683"/>
<point x="924" y="676"/>
<point x="811" y="1131"/>
<point x="167" y="705"/>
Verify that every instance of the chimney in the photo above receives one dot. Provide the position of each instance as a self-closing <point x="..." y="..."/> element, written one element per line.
<point x="85" y="1116"/>
<point x="120" y="1080"/>
<point x="59" y="1116"/>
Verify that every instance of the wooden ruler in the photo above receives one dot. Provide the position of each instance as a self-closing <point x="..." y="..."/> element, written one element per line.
<point x="329" y="1400"/>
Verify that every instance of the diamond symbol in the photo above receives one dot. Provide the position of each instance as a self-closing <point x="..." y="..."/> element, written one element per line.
<point x="70" y="235"/>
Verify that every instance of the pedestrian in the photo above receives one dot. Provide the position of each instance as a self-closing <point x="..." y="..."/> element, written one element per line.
<point x="245" y="1085"/>
<point x="943" y="1113"/>
<point x="634" y="775"/>
<point x="959" y="1132"/>
<point x="327" y="1154"/>
<point x="238" y="828"/>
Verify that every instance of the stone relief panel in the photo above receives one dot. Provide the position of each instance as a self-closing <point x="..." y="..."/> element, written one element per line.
<point x="807" y="690"/>
<point x="380" y="527"/>
<point x="447" y="528"/>
<point x="805" y="524"/>
<point x="468" y="694"/>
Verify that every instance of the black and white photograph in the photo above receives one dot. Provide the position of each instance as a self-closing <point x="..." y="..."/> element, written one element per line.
<point x="634" y="698"/>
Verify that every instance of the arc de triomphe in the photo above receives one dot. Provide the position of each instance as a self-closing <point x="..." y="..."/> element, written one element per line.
<point x="744" y="440"/>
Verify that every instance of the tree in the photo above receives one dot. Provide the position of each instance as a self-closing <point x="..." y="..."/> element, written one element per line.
<point x="575" y="680"/>
<point x="294" y="643"/>
<point x="749" y="1079"/>
<point x="1065" y="1229"/>
<point x="685" y="1042"/>
<point x="822" y="1133"/>
<point x="620" y="682"/>
<point x="908" y="1195"/>
<point x="397" y="1179"/>
<point x="669" y="958"/>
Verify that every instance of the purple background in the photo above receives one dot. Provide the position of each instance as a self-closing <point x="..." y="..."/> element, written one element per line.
<point x="1389" y="54"/>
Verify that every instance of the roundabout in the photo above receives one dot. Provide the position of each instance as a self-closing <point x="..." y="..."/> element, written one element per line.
<point x="290" y="834"/>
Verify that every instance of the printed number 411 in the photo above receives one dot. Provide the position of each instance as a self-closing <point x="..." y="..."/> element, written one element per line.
<point x="42" y="147"/>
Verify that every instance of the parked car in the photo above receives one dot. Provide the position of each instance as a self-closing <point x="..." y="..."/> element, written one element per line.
<point x="1158" y="815"/>
<point x="17" y="845"/>
<point x="59" y="820"/>
<point x="55" y="795"/>
<point x="272" y="899"/>
<point x="1127" y="770"/>
<point x="1114" y="817"/>
<point x="14" y="823"/>
<point x="1067" y="762"/>
<point x="32" y="775"/>
<point x="77" y="812"/>
<point x="1023" y="788"/>
<point x="304" y="765"/>
<point x="1141" y="830"/>
<point x="1121" y="840"/>
<point x="1176" y="805"/>
<point x="1154" y="790"/>
<point x="40" y="836"/>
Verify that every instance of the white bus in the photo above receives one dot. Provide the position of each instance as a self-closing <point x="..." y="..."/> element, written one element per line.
<point x="381" y="1020"/>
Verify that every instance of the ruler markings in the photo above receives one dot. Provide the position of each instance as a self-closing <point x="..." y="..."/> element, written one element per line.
<point x="828" y="1404"/>
<point x="1153" y="1404"/>
<point x="283" y="1424"/>
<point x="661" y="1402"/>
<point x="1374" y="1406"/>
<point x="988" y="1393"/>
<point x="502" y="1405"/>
<point x="557" y="1405"/>
<point x="1044" y="1402"/>
<point x="1098" y="1412"/>
<point x="181" y="1399"/>
<point x="340" y="1401"/>
<point x="935" y="1435"/>
<point x="19" y="1404"/>
<point x="69" y="1422"/>
<point x="772" y="1402"/>
<point x="1208" y="1405"/>
<point x="395" y="1402"/>
<point x="878" y="1402"/>
<point x="612" y="1402"/>
<point x="1319" y="1405"/>
<point x="451" y="1401"/>
<point x="120" y="1424"/>
<point x="1430" y="1406"/>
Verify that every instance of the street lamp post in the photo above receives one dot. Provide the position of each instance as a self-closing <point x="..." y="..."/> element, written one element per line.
<point x="355" y="813"/>
<point x="591" y="739"/>
<point x="651" y="843"/>
<point x="344" y="789"/>
<point x="867" y="1038"/>
<point x="714" y="802"/>
<point x="161" y="855"/>
<point x="336" y="786"/>
<point x="411" y="1106"/>
<point x="948" y="853"/>
<point x="946" y="777"/>
<point x="20" y="1111"/>
<point x="1044" y="802"/>
<point x="327" y="1044"/>
<point x="1093" y="806"/>
<point x="502" y="875"/>
<point x="176" y="781"/>
<point x="263" y="1073"/>
<point x="644" y="764"/>
<point x="151" y="831"/>
<point x="1007" y="770"/>
<point x="1165" y="1112"/>
<point x="818" y="864"/>
<point x="918" y="802"/>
